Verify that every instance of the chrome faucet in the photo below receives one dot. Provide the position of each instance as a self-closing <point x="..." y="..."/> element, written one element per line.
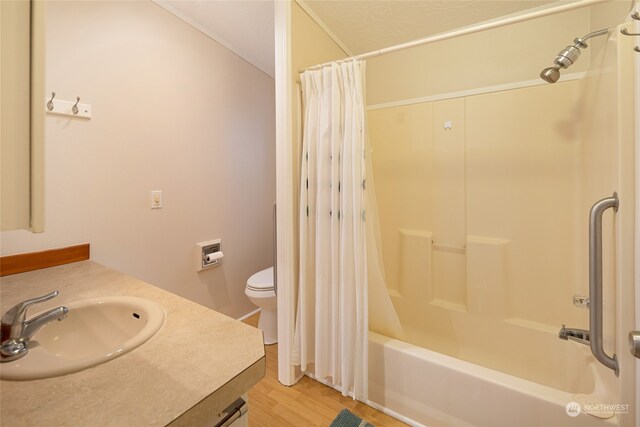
<point x="577" y="335"/>
<point x="16" y="331"/>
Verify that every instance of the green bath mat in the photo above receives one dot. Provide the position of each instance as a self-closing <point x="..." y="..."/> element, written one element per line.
<point x="347" y="419"/>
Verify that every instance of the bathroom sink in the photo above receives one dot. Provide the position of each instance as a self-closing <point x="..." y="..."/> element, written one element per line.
<point x="95" y="331"/>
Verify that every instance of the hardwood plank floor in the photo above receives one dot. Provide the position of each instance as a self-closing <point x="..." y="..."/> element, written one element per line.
<point x="307" y="403"/>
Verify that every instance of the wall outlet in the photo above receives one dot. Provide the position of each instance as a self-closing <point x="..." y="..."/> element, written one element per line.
<point x="156" y="199"/>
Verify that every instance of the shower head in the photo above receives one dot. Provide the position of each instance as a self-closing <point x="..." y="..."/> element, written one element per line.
<point x="551" y="74"/>
<point x="568" y="56"/>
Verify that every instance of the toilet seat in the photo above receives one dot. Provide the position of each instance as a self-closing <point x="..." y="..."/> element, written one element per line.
<point x="262" y="281"/>
<point x="265" y="298"/>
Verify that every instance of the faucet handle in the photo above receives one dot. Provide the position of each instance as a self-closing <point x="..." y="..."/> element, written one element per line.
<point x="17" y="313"/>
<point x="581" y="301"/>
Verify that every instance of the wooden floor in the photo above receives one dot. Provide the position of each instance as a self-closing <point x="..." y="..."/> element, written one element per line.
<point x="307" y="403"/>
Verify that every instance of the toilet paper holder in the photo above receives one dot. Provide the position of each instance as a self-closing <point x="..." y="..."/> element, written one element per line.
<point x="209" y="254"/>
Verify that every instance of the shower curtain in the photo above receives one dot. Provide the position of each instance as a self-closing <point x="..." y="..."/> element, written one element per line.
<point x="332" y="321"/>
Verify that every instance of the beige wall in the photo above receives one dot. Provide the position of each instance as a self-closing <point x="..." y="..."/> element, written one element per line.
<point x="503" y="55"/>
<point x="172" y="111"/>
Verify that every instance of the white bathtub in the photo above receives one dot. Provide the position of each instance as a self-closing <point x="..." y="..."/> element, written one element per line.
<point x="423" y="387"/>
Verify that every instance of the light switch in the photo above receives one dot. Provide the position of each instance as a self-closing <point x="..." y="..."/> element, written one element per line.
<point x="156" y="199"/>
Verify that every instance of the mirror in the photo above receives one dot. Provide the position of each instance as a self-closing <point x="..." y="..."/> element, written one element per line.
<point x="22" y="115"/>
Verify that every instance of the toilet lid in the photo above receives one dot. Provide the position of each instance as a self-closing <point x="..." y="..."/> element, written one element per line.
<point x="261" y="281"/>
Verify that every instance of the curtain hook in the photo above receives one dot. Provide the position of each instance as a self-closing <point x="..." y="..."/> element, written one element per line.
<point x="50" y="103"/>
<point x="627" y="33"/>
<point x="74" y="109"/>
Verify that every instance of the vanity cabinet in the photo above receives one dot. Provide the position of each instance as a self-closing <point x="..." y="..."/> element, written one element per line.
<point x="195" y="367"/>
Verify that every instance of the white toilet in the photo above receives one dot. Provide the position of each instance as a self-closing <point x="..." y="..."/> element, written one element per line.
<point x="261" y="292"/>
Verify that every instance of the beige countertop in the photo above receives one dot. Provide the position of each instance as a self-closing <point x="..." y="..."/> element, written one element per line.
<point x="200" y="361"/>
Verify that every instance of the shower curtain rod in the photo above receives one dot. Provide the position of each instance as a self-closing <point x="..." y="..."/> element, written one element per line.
<point x="464" y="31"/>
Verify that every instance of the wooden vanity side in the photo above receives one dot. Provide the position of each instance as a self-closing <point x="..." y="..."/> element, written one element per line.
<point x="21" y="263"/>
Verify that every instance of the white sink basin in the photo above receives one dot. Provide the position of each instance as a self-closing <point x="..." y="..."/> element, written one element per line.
<point x="95" y="331"/>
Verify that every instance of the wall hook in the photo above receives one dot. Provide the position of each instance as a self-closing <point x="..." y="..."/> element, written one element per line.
<point x="50" y="103"/>
<point x="626" y="33"/>
<point x="636" y="16"/>
<point x="637" y="49"/>
<point x="74" y="109"/>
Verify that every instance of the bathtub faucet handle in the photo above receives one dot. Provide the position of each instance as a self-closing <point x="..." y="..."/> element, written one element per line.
<point x="581" y="301"/>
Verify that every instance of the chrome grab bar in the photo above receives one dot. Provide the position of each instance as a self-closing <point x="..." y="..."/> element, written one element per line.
<point x="595" y="281"/>
<point x="634" y="343"/>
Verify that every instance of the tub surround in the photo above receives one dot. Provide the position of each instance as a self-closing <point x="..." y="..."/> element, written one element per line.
<point x="197" y="364"/>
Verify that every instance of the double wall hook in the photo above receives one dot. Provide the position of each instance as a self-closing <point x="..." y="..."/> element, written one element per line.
<point x="50" y="103"/>
<point x="74" y="109"/>
<point x="64" y="107"/>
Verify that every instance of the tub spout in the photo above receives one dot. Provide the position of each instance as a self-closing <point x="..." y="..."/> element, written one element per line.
<point x="578" y="335"/>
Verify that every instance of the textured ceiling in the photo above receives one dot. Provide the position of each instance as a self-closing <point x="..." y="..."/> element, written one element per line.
<point x="367" y="25"/>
